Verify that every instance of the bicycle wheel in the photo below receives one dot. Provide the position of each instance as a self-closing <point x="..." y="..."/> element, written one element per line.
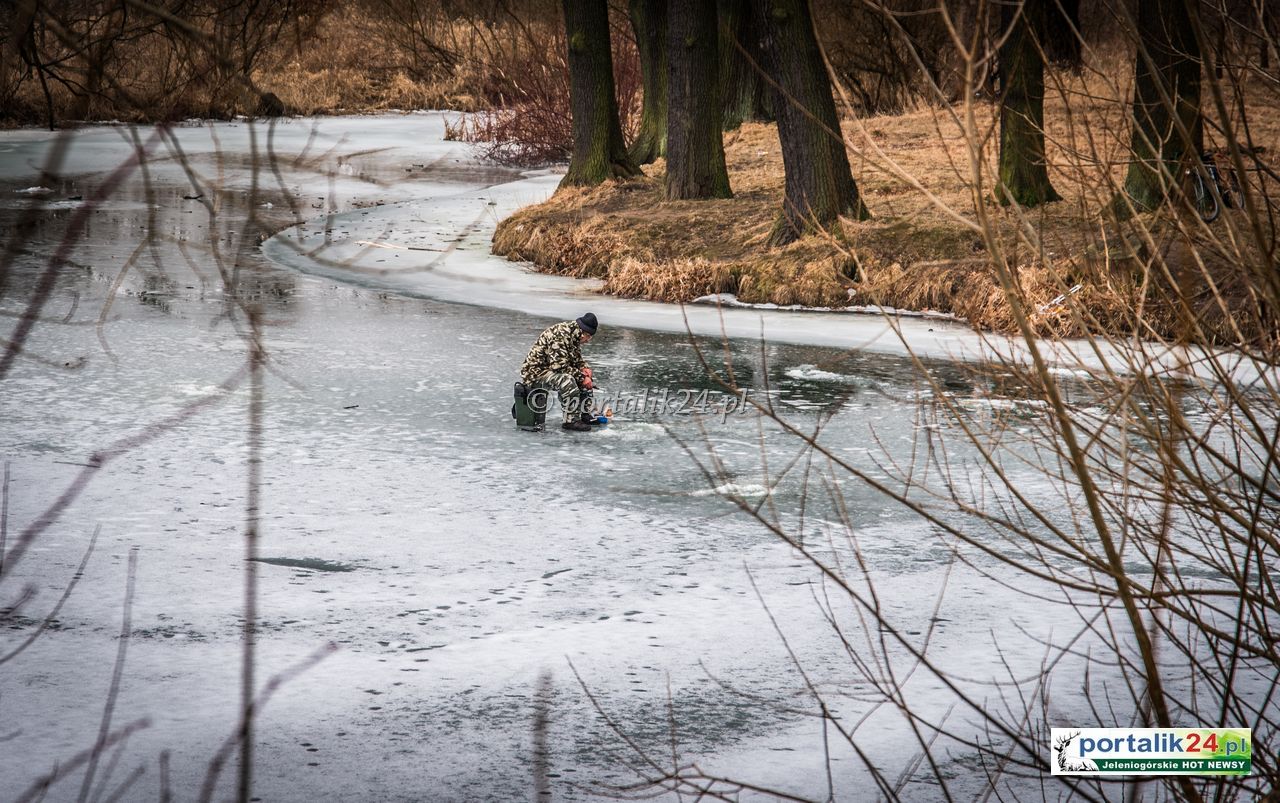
<point x="1232" y="195"/>
<point x="1205" y="201"/>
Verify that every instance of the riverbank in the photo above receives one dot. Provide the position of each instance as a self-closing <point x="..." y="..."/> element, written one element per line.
<point x="932" y="243"/>
<point x="436" y="246"/>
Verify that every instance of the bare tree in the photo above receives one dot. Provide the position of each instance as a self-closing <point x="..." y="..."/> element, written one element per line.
<point x="599" y="152"/>
<point x="744" y="91"/>
<point x="649" y="23"/>
<point x="695" y="150"/>
<point x="1062" y="37"/>
<point x="1024" y="177"/>
<point x="819" y="184"/>
<point x="1168" y="132"/>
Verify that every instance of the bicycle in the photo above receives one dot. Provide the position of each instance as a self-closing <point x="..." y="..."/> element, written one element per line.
<point x="1225" y="189"/>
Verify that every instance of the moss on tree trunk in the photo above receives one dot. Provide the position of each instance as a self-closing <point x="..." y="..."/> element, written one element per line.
<point x="743" y="90"/>
<point x="1167" y="124"/>
<point x="649" y="22"/>
<point x="599" y="152"/>
<point x="819" y="186"/>
<point x="695" y="150"/>
<point x="1024" y="178"/>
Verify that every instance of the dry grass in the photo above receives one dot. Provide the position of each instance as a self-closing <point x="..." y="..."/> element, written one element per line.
<point x="924" y="247"/>
<point x="343" y="61"/>
<point x="646" y="247"/>
<point x="345" y="65"/>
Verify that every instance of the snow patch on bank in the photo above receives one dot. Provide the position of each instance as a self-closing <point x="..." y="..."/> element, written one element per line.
<point x="731" y="300"/>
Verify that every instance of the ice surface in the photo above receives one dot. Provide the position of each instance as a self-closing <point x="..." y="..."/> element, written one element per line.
<point x="475" y="558"/>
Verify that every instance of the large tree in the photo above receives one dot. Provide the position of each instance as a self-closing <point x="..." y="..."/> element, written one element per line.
<point x="649" y="21"/>
<point x="1168" y="128"/>
<point x="743" y="91"/>
<point x="819" y="185"/>
<point x="1063" y="46"/>
<point x="599" y="152"/>
<point x="1024" y="178"/>
<point x="695" y="150"/>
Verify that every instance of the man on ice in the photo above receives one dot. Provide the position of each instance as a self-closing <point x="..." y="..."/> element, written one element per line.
<point x="555" y="363"/>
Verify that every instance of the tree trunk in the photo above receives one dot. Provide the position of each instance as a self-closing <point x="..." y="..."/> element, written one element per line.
<point x="599" y="152"/>
<point x="819" y="184"/>
<point x="1266" y="25"/>
<point x="695" y="150"/>
<point x="1024" y="178"/>
<point x="1062" y="45"/>
<point x="649" y="21"/>
<point x="743" y="90"/>
<point x="1167" y="124"/>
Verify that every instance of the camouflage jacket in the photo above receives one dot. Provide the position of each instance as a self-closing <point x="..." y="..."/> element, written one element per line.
<point x="558" y="350"/>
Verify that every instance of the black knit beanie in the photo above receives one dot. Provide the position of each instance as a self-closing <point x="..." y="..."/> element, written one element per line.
<point x="588" y="324"/>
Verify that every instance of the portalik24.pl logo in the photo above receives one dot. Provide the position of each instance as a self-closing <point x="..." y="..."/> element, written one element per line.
<point x="1151" y="751"/>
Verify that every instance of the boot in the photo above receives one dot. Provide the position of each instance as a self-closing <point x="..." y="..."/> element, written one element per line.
<point x="576" y="426"/>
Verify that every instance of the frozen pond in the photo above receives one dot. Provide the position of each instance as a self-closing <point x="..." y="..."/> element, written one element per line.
<point x="454" y="561"/>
